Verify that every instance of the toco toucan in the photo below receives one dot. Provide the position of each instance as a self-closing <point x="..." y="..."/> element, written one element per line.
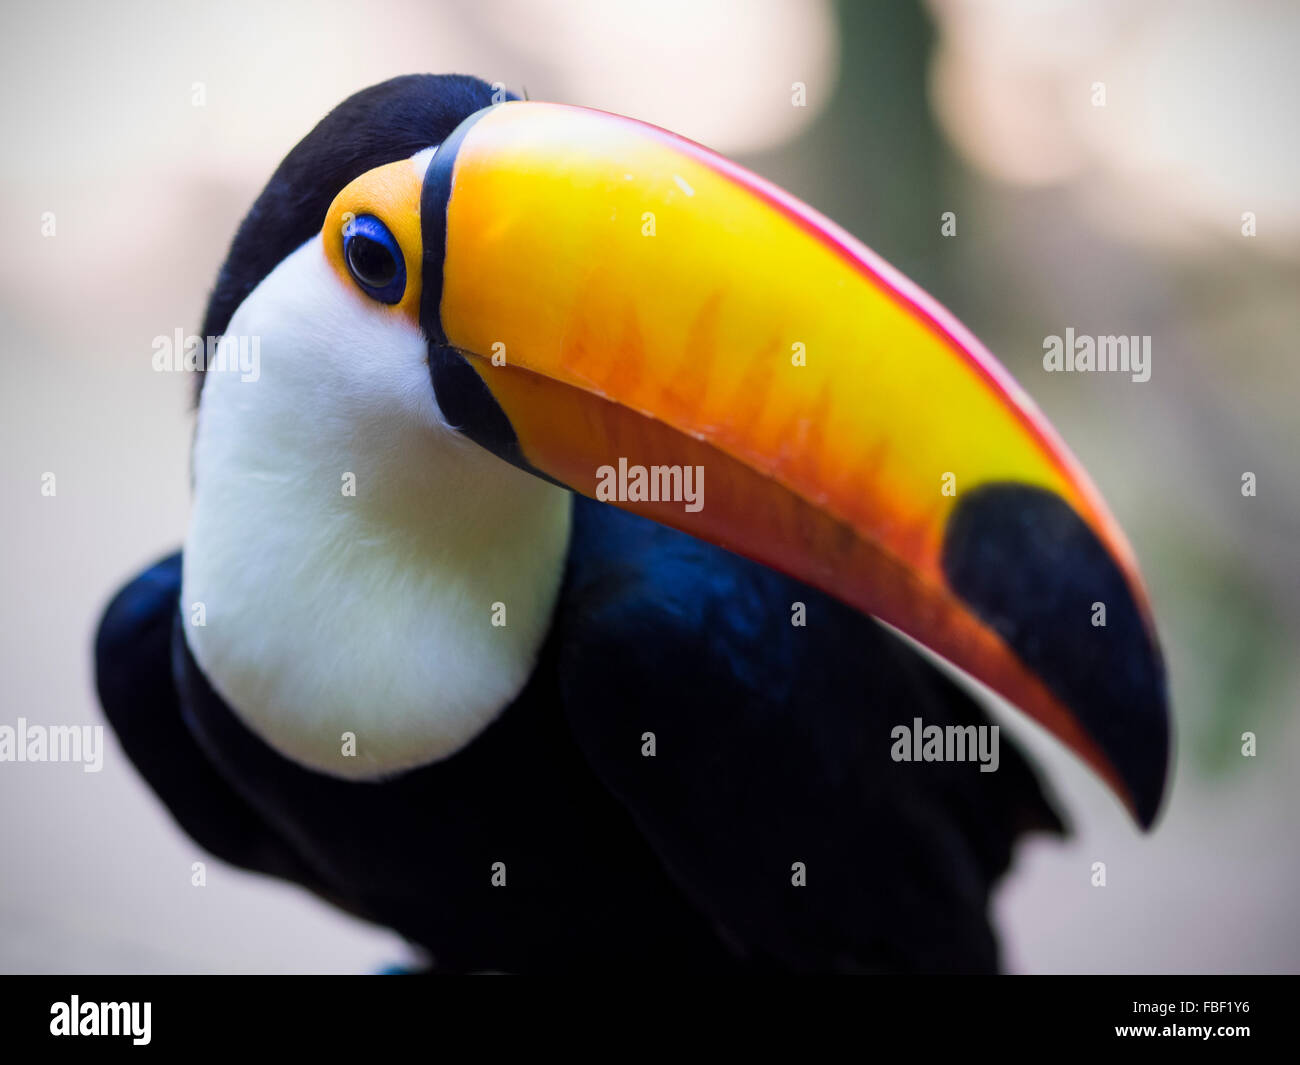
<point x="532" y="598"/>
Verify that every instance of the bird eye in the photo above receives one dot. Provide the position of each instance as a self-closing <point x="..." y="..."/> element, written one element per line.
<point x="374" y="259"/>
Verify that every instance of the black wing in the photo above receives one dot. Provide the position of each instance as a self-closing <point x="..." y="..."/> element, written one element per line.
<point x="133" y="672"/>
<point x="773" y="747"/>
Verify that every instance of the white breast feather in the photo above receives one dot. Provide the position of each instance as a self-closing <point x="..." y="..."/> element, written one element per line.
<point x="328" y="614"/>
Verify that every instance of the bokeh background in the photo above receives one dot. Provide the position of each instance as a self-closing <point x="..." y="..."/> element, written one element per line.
<point x="1116" y="219"/>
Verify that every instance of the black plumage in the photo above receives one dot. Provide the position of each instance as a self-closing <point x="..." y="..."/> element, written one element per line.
<point x="772" y="747"/>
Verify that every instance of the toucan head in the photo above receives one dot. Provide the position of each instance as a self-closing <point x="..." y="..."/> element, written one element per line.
<point x="567" y="288"/>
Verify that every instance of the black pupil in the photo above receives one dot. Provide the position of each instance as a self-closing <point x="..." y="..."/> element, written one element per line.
<point x="371" y="262"/>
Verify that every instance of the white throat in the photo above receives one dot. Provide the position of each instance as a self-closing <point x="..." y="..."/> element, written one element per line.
<point x="379" y="614"/>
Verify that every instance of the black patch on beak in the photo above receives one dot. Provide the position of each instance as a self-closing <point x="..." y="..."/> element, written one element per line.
<point x="435" y="197"/>
<point x="468" y="405"/>
<point x="1030" y="567"/>
<point x="463" y="397"/>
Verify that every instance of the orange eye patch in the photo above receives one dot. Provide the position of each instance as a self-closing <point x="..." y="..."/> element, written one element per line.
<point x="390" y="193"/>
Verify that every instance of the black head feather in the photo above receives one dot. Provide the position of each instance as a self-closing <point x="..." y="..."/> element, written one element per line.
<point x="386" y="122"/>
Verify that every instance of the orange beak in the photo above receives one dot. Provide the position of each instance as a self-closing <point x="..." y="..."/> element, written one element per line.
<point x="602" y="296"/>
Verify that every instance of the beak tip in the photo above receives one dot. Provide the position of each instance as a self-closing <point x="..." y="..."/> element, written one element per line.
<point x="1146" y="788"/>
<point x="1031" y="568"/>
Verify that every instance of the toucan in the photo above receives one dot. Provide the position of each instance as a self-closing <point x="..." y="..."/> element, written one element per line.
<point x="556" y="590"/>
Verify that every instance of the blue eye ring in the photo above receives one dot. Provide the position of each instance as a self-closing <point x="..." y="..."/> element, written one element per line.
<point x="374" y="259"/>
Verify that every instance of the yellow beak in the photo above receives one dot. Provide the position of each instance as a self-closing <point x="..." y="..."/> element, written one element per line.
<point x="604" y="297"/>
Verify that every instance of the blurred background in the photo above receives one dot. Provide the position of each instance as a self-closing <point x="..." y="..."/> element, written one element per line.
<point x="144" y="130"/>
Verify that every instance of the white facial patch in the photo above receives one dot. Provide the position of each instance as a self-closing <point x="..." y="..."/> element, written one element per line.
<point x="375" y="588"/>
<point x="421" y="161"/>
